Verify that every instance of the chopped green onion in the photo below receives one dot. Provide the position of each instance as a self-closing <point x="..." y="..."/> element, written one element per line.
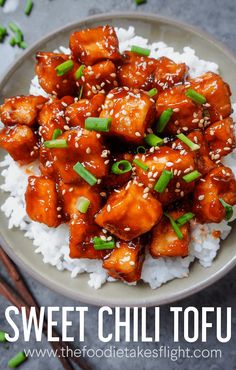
<point x="17" y="31"/>
<point x="100" y="244"/>
<point x="182" y="220"/>
<point x="192" y="176"/>
<point x="23" y="45"/>
<point x="3" y="33"/>
<point x="163" y="181"/>
<point x="123" y="166"/>
<point x="12" y="41"/>
<point x="175" y="226"/>
<point x="2" y="2"/>
<point x="79" y="72"/>
<point x="98" y="124"/>
<point x="85" y="174"/>
<point x="188" y="142"/>
<point x="57" y="132"/>
<point x="153" y="140"/>
<point x="141" y="51"/>
<point x="59" y="143"/>
<point x="83" y="204"/>
<point x="17" y="360"/>
<point x="228" y="209"/>
<point x="139" y="2"/>
<point x="195" y="96"/>
<point x="141" y="150"/>
<point x="64" y="67"/>
<point x="2" y="336"/>
<point x="152" y="92"/>
<point x="80" y="92"/>
<point x="140" y="164"/>
<point x="164" y="119"/>
<point x="28" y="7"/>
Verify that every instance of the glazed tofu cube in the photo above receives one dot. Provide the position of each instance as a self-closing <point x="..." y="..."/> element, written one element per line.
<point x="21" y="110"/>
<point x="85" y="147"/>
<point x="218" y="184"/>
<point x="187" y="115"/>
<point x="169" y="73"/>
<point x="129" y="213"/>
<point x="137" y="71"/>
<point x="20" y="142"/>
<point x="92" y="45"/>
<point x="132" y="112"/>
<point x="48" y="78"/>
<point x="100" y="77"/>
<point x="221" y="138"/>
<point x="125" y="261"/>
<point x="52" y="117"/>
<point x="165" y="158"/>
<point x="203" y="161"/>
<point x="217" y="93"/>
<point x="46" y="162"/>
<point x="165" y="242"/>
<point x="77" y="112"/>
<point x="42" y="201"/>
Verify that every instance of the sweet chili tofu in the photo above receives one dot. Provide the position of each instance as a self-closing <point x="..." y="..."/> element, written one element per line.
<point x="137" y="71"/>
<point x="48" y="77"/>
<point x="42" y="201"/>
<point x="130" y="212"/>
<point x="132" y="112"/>
<point x="92" y="45"/>
<point x="221" y="138"/>
<point x="77" y="112"/>
<point x="217" y="93"/>
<point x="83" y="146"/>
<point x="100" y="77"/>
<point x="165" y="158"/>
<point x="169" y="73"/>
<point x="52" y="117"/>
<point x="186" y="116"/>
<point x="165" y="242"/>
<point x="125" y="261"/>
<point x="218" y="184"/>
<point x="21" y="110"/>
<point x="202" y="157"/>
<point x="20" y="142"/>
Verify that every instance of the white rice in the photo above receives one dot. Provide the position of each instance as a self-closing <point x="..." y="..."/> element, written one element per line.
<point x="52" y="244"/>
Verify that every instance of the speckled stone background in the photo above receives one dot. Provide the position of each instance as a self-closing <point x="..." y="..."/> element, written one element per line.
<point x="218" y="18"/>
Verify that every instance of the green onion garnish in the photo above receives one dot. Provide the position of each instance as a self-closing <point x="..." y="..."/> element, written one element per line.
<point x="182" y="220"/>
<point x="85" y="174"/>
<point x="192" y="176"/>
<point x="228" y="209"/>
<point x="175" y="226"/>
<point x="2" y="2"/>
<point x="188" y="142"/>
<point x="139" y="50"/>
<point x="100" y="244"/>
<point x="2" y="336"/>
<point x="139" y="2"/>
<point x="98" y="124"/>
<point x="59" y="143"/>
<point x="28" y="7"/>
<point x="83" y="204"/>
<point x="141" y="150"/>
<point x="17" y="360"/>
<point x="164" y="119"/>
<point x="64" y="67"/>
<point x="17" y="31"/>
<point x="79" y="72"/>
<point x="163" y="181"/>
<point x="80" y="92"/>
<point x="23" y="45"/>
<point x="195" y="96"/>
<point x="12" y="41"/>
<point x="153" y="140"/>
<point x="152" y="92"/>
<point x="123" y="166"/>
<point x="140" y="164"/>
<point x="57" y="132"/>
<point x="3" y="33"/>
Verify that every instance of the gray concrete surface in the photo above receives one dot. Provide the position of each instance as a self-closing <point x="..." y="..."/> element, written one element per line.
<point x="214" y="16"/>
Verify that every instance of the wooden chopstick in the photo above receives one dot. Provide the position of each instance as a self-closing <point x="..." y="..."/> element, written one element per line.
<point x="24" y="298"/>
